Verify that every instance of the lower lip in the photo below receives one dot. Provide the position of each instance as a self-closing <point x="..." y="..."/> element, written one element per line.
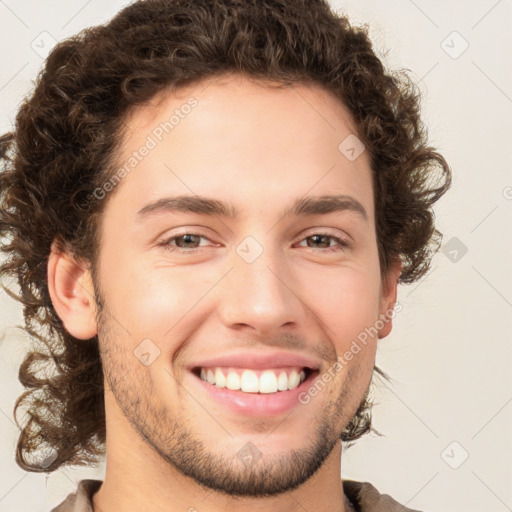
<point x="257" y="404"/>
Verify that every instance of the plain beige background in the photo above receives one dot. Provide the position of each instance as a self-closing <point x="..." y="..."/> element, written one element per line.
<point x="447" y="415"/>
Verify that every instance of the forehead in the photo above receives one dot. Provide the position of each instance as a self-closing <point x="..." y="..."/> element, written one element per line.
<point x="244" y="141"/>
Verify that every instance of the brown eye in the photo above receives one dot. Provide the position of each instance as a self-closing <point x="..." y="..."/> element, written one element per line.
<point x="322" y="240"/>
<point x="183" y="242"/>
<point x="187" y="240"/>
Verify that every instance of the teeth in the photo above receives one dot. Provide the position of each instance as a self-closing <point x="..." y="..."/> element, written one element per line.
<point x="249" y="382"/>
<point x="294" y="380"/>
<point x="220" y="380"/>
<point x="233" y="381"/>
<point x="282" y="382"/>
<point x="269" y="381"/>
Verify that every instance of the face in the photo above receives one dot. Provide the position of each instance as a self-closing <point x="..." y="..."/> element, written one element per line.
<point x="183" y="284"/>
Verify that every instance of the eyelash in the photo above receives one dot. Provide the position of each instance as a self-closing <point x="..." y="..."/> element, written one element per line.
<point x="166" y="244"/>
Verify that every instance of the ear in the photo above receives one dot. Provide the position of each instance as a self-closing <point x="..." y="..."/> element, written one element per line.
<point x="72" y="293"/>
<point x="388" y="297"/>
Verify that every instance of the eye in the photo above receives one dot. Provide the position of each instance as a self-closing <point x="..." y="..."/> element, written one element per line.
<point x="184" y="241"/>
<point x="188" y="242"/>
<point x="318" y="237"/>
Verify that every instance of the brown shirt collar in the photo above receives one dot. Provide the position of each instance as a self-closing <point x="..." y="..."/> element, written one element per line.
<point x="363" y="495"/>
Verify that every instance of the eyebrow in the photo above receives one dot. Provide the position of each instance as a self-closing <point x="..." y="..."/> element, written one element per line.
<point x="304" y="206"/>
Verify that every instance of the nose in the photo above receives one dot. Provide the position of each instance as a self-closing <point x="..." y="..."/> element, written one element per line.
<point x="261" y="296"/>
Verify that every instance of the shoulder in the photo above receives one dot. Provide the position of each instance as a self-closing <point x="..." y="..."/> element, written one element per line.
<point x="369" y="499"/>
<point x="81" y="499"/>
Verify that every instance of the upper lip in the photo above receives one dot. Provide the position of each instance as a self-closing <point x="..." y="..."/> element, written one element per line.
<point x="258" y="360"/>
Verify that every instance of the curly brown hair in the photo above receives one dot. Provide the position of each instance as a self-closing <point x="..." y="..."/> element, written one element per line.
<point x="68" y="129"/>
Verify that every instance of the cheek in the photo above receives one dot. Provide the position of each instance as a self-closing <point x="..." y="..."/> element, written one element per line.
<point x="346" y="301"/>
<point x="158" y="304"/>
<point x="148" y="302"/>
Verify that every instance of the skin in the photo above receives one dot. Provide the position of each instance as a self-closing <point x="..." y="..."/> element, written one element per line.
<point x="169" y="445"/>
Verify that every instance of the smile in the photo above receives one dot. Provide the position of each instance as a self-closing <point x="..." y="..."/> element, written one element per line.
<point x="255" y="381"/>
<point x="255" y="392"/>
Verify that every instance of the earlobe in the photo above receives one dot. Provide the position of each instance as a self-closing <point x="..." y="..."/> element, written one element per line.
<point x="388" y="298"/>
<point x="72" y="294"/>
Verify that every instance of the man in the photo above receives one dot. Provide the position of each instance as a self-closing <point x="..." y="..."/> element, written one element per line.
<point x="210" y="206"/>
